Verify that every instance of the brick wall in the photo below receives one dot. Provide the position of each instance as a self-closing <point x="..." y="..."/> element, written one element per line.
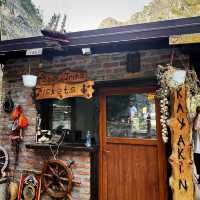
<point x="99" y="67"/>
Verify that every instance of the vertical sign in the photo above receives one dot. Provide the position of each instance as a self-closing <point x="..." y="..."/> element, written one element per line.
<point x="181" y="180"/>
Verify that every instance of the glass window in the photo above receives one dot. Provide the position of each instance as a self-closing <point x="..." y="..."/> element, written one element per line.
<point x="61" y="114"/>
<point x="131" y="115"/>
<point x="76" y="115"/>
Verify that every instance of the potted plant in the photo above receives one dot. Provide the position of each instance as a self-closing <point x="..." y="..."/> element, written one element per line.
<point x="29" y="80"/>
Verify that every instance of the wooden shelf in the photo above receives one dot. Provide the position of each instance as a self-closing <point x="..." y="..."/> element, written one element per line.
<point x="65" y="146"/>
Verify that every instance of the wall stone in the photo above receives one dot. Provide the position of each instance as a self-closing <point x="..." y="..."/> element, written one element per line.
<point x="100" y="68"/>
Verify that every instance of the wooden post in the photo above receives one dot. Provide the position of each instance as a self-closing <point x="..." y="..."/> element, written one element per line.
<point x="181" y="180"/>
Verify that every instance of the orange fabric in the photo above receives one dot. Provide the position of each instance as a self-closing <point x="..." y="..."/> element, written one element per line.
<point x="23" y="121"/>
<point x="16" y="112"/>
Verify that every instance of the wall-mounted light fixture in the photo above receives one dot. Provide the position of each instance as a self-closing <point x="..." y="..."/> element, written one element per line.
<point x="86" y="51"/>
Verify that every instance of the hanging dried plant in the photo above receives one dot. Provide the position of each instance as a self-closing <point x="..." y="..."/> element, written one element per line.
<point x="163" y="76"/>
<point x="193" y="82"/>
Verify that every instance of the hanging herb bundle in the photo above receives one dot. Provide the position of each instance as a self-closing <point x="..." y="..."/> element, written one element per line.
<point x="193" y="82"/>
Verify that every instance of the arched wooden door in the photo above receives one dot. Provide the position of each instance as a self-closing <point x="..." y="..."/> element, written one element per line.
<point x="132" y="156"/>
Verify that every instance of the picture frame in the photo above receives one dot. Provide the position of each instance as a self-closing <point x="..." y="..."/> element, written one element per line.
<point x="30" y="187"/>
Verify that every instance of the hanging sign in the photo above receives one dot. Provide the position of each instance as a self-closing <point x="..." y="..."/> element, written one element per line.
<point x="64" y="85"/>
<point x="184" y="39"/>
<point x="181" y="180"/>
<point x="33" y="52"/>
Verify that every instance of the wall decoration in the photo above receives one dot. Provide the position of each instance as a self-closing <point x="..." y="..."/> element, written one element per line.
<point x="3" y="161"/>
<point x="20" y="122"/>
<point x="62" y="90"/>
<point x="13" y="190"/>
<point x="3" y="178"/>
<point x="60" y="86"/>
<point x="58" y="179"/>
<point x="170" y="78"/>
<point x="29" y="188"/>
<point x="181" y="180"/>
<point x="8" y="103"/>
<point x="163" y="95"/>
<point x="43" y="136"/>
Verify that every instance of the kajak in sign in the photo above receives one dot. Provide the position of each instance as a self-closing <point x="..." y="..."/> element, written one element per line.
<point x="64" y="85"/>
<point x="181" y="180"/>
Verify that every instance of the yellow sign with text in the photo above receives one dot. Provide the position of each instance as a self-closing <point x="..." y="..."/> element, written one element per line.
<point x="184" y="39"/>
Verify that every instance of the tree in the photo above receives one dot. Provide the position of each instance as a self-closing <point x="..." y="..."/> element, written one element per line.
<point x="2" y="3"/>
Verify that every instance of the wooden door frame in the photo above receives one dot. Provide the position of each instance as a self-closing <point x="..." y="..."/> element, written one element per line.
<point x="162" y="160"/>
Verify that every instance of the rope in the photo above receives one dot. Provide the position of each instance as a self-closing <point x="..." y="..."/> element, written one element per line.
<point x="56" y="152"/>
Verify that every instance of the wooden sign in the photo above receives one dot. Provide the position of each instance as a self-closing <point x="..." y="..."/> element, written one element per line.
<point x="67" y="76"/>
<point x="62" y="90"/>
<point x="181" y="180"/>
<point x="64" y="85"/>
<point x="184" y="39"/>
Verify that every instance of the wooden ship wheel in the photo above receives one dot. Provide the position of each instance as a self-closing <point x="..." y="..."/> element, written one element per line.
<point x="58" y="179"/>
<point x="3" y="160"/>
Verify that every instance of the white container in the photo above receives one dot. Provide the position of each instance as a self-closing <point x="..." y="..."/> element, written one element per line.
<point x="29" y="80"/>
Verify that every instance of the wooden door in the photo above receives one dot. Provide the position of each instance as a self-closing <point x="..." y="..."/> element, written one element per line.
<point x="132" y="156"/>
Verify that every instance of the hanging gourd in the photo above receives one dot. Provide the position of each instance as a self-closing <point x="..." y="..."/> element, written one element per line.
<point x="8" y="103"/>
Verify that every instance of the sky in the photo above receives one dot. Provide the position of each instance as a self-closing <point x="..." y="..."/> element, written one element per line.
<point x="88" y="14"/>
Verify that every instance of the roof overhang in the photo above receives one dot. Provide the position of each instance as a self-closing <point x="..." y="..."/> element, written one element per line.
<point x="124" y="38"/>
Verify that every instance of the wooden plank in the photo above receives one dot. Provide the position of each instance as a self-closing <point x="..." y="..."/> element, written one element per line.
<point x="184" y="39"/>
<point x="136" y="141"/>
<point x="181" y="180"/>
<point x="132" y="172"/>
<point x="64" y="146"/>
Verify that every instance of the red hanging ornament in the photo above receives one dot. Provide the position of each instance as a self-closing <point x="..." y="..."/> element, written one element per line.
<point x="23" y="121"/>
<point x="16" y="112"/>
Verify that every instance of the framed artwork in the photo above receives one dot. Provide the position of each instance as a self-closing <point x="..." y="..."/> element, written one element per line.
<point x="29" y="188"/>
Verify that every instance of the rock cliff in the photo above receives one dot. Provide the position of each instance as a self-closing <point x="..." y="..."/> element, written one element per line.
<point x="19" y="18"/>
<point x="158" y="10"/>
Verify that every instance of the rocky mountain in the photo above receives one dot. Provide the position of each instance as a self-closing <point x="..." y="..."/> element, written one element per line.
<point x="19" y="18"/>
<point x="158" y="10"/>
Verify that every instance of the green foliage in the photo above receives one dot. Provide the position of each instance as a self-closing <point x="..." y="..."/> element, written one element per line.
<point x="192" y="2"/>
<point x="30" y="8"/>
<point x="195" y="101"/>
<point x="2" y="2"/>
